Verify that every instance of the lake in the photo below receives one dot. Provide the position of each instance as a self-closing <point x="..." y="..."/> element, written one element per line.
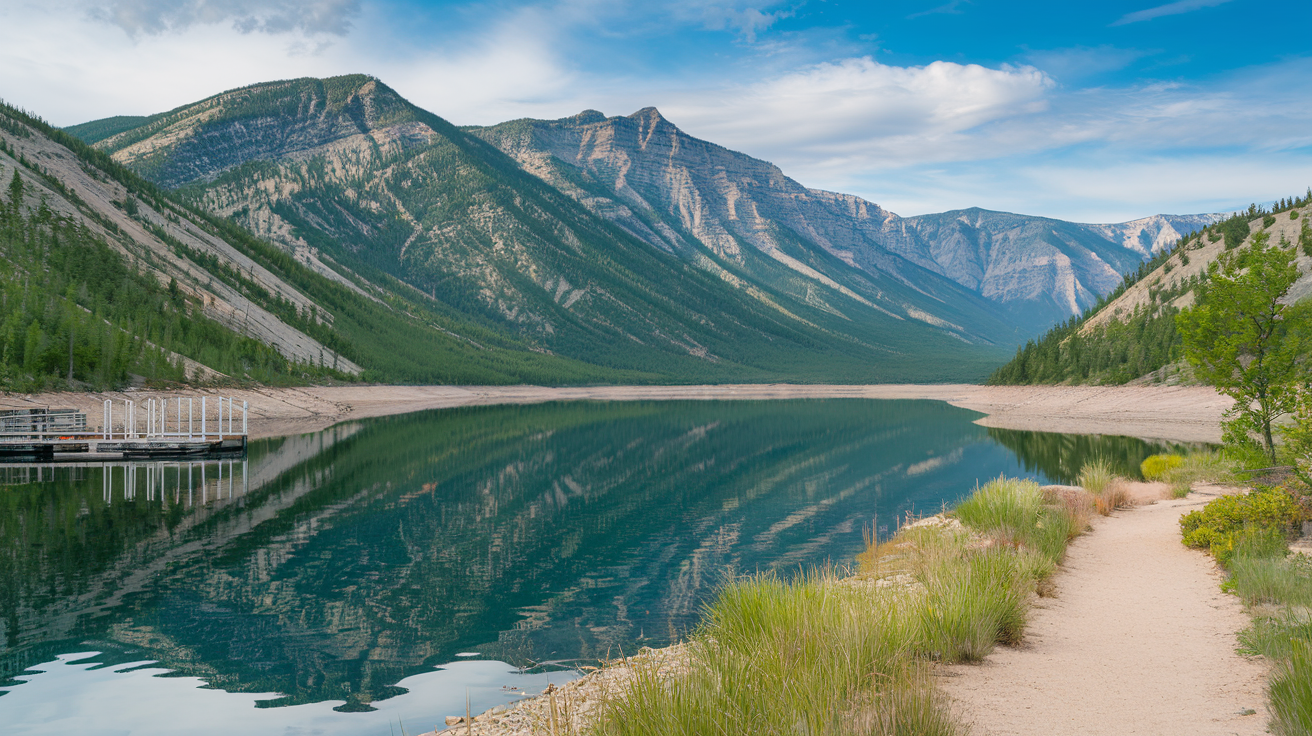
<point x="382" y="574"/>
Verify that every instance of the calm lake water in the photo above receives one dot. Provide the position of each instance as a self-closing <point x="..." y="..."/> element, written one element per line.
<point x="373" y="576"/>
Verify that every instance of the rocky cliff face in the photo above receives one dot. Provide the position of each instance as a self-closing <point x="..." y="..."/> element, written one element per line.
<point x="659" y="269"/>
<point x="668" y="188"/>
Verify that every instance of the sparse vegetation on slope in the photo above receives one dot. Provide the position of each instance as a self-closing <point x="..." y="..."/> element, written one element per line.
<point x="1131" y="332"/>
<point x="76" y="315"/>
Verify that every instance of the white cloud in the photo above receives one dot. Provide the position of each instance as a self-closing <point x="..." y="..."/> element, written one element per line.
<point x="914" y="139"/>
<point x="746" y="22"/>
<point x="1078" y="62"/>
<point x="269" y="16"/>
<point x="71" y="68"/>
<point x="1175" y="8"/>
<point x="1094" y="186"/>
<point x="882" y="114"/>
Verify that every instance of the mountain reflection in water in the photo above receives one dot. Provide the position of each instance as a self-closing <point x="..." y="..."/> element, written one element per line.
<point x="332" y="566"/>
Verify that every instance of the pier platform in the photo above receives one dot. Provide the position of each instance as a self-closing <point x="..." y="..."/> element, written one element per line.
<point x="172" y="429"/>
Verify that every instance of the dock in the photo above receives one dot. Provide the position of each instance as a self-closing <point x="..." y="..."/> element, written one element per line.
<point x="177" y="428"/>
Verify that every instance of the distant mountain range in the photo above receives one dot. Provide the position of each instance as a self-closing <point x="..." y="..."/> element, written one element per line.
<point x="622" y="242"/>
<point x="669" y="188"/>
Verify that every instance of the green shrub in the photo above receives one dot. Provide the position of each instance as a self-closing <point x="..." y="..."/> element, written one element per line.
<point x="1293" y="214"/>
<point x="1218" y="526"/>
<point x="1268" y="221"/>
<point x="1157" y="467"/>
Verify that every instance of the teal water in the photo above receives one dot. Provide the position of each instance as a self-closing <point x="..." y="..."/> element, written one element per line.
<point x="377" y="574"/>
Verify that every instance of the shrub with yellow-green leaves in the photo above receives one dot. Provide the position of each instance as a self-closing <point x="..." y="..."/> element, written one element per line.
<point x="1218" y="525"/>
<point x="1159" y="467"/>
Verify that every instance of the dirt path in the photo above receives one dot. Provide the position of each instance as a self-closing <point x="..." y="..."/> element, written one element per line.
<point x="1138" y="640"/>
<point x="1176" y="413"/>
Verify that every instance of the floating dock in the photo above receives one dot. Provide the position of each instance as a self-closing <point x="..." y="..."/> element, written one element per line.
<point x="173" y="428"/>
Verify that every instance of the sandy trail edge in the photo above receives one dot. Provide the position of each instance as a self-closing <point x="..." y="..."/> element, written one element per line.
<point x="1175" y="413"/>
<point x="1138" y="640"/>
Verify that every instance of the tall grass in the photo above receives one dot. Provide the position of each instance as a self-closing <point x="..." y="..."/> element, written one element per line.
<point x="1199" y="467"/>
<point x="1291" y="692"/>
<point x="1108" y="489"/>
<point x="1016" y="512"/>
<point x="848" y="657"/>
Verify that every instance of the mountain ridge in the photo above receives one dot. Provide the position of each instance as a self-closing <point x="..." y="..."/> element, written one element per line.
<point x="365" y="188"/>
<point x="704" y="197"/>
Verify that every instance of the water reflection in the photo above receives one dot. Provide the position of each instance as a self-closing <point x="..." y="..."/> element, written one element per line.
<point x="1061" y="456"/>
<point x="330" y="568"/>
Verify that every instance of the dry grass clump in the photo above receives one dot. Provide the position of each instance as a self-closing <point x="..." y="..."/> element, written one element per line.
<point x="848" y="657"/>
<point x="1077" y="502"/>
<point x="1108" y="488"/>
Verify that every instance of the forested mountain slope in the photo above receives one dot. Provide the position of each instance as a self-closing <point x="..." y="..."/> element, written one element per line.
<point x="105" y="277"/>
<point x="1131" y="332"/>
<point x="371" y="192"/>
<point x="674" y="190"/>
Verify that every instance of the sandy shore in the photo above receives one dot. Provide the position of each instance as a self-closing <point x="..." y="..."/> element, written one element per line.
<point x="1180" y="414"/>
<point x="1139" y="639"/>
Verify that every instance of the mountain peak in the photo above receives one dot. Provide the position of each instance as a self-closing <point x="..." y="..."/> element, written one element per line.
<point x="587" y="117"/>
<point x="649" y="115"/>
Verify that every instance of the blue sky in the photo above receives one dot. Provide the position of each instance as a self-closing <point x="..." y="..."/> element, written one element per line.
<point x="1096" y="112"/>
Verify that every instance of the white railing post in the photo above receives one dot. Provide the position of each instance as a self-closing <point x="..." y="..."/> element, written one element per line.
<point x="229" y="415"/>
<point x="130" y="427"/>
<point x="243" y="419"/>
<point x="109" y="416"/>
<point x="202" y="421"/>
<point x="190" y="418"/>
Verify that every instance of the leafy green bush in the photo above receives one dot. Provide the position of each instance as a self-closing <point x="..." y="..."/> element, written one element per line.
<point x="1218" y="525"/>
<point x="1158" y="467"/>
<point x="1268" y="221"/>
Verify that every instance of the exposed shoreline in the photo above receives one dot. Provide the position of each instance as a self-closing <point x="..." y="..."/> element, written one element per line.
<point x="1171" y="413"/>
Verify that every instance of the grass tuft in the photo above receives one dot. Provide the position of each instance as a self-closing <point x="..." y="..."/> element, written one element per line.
<point x="1291" y="692"/>
<point x="1108" y="489"/>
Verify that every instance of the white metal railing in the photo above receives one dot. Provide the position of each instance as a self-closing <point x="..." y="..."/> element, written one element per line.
<point x="38" y="424"/>
<point x="155" y="415"/>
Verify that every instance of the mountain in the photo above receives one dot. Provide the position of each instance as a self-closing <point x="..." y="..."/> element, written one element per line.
<point x="675" y="191"/>
<point x="622" y="242"/>
<point x="378" y="195"/>
<point x="106" y="277"/>
<point x="1130" y="334"/>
